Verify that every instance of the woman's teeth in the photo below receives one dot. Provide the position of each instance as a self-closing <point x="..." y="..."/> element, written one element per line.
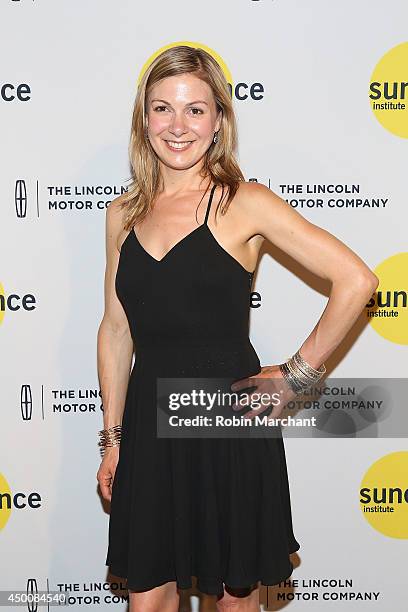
<point x="178" y="146"/>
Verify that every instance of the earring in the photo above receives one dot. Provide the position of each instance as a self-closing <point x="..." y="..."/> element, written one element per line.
<point x="215" y="139"/>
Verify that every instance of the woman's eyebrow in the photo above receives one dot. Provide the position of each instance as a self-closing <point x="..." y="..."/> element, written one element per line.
<point x="188" y="104"/>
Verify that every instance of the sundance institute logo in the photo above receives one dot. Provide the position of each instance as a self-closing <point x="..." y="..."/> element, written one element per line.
<point x="384" y="495"/>
<point x="389" y="91"/>
<point x="12" y="302"/>
<point x="388" y="308"/>
<point x="10" y="501"/>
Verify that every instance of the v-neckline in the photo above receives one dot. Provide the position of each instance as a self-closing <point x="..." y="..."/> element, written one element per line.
<point x="174" y="247"/>
<point x="180" y="243"/>
<point x="184" y="238"/>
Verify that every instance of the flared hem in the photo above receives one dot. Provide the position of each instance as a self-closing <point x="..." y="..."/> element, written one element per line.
<point x="203" y="582"/>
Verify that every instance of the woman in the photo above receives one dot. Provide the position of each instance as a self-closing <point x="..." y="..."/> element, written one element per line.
<point x="177" y="290"/>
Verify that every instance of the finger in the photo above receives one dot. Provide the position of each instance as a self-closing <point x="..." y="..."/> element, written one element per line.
<point x="242" y="383"/>
<point x="276" y="413"/>
<point x="105" y="490"/>
<point x="250" y="415"/>
<point x="279" y="408"/>
<point x="257" y="411"/>
<point x="245" y="401"/>
<point x="105" y="482"/>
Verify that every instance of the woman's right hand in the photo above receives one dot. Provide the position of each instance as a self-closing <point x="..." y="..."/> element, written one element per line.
<point x="107" y="469"/>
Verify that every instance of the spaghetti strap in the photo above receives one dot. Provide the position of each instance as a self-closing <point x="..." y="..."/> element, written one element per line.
<point x="209" y="204"/>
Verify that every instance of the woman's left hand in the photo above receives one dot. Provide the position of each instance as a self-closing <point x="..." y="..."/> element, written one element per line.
<point x="270" y="389"/>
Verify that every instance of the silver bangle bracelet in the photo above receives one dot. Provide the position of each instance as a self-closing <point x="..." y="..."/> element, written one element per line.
<point x="299" y="374"/>
<point x="307" y="368"/>
<point x="290" y="379"/>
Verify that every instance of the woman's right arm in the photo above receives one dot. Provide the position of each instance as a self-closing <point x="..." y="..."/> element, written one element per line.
<point x="114" y="348"/>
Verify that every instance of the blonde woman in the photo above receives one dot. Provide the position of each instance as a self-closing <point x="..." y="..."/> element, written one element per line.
<point x="182" y="246"/>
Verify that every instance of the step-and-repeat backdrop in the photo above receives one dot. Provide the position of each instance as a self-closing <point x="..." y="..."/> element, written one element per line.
<point x="320" y="92"/>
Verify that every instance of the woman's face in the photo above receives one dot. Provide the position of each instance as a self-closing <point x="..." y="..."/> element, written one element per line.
<point x="181" y="109"/>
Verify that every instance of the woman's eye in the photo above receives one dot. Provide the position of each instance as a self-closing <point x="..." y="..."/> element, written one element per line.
<point x="194" y="108"/>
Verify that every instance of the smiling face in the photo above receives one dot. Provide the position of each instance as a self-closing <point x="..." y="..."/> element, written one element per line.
<point x="181" y="120"/>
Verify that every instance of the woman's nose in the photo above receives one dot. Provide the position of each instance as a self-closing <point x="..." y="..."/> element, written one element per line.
<point x="178" y="125"/>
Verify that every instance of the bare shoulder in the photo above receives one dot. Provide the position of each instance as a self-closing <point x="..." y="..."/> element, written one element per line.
<point x="115" y="211"/>
<point x="114" y="221"/>
<point x="251" y="208"/>
<point x="266" y="210"/>
<point x="252" y="195"/>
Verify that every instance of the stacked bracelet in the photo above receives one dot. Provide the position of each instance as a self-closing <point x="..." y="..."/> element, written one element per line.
<point x="110" y="437"/>
<point x="299" y="374"/>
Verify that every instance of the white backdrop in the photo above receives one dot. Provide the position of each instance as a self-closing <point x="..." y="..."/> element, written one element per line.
<point x="68" y="82"/>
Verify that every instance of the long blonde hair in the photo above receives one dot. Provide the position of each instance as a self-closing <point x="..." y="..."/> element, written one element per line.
<point x="220" y="164"/>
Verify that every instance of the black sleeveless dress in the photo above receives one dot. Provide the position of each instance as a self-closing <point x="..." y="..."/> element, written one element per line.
<point x="217" y="509"/>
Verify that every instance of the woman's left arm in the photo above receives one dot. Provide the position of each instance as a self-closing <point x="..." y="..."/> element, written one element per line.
<point x="353" y="283"/>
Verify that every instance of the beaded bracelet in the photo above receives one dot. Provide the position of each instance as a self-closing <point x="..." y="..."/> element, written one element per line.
<point x="110" y="437"/>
